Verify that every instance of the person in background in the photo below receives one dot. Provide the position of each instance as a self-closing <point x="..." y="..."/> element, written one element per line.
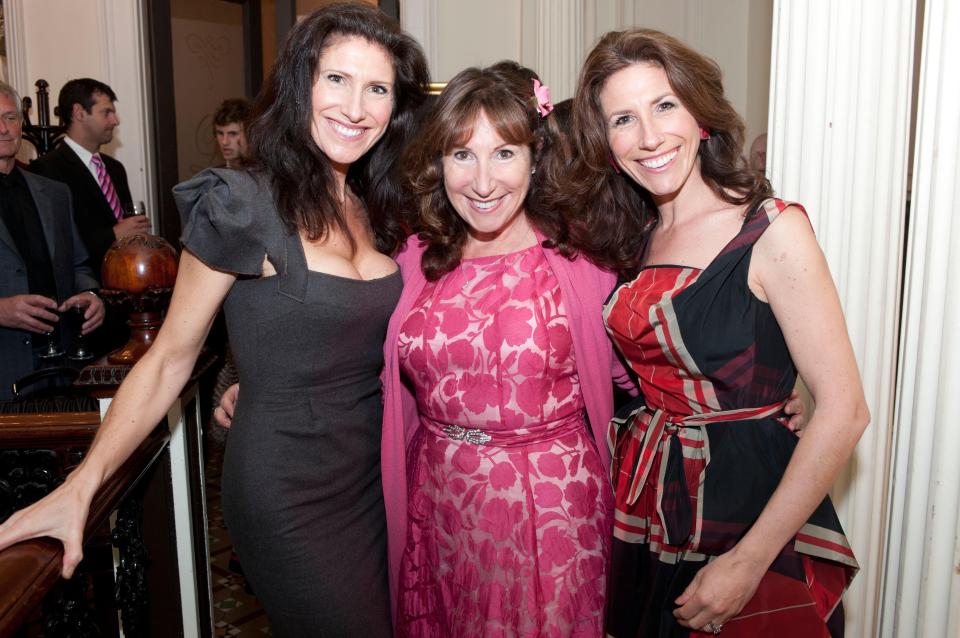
<point x="98" y="182"/>
<point x="722" y="519"/>
<point x="229" y="128"/>
<point x="297" y="249"/>
<point x="41" y="255"/>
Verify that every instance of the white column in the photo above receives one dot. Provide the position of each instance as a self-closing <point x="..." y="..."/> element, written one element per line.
<point x="838" y="135"/>
<point x="921" y="595"/>
<point x="125" y="69"/>
<point x="183" y="513"/>
<point x="13" y="32"/>
<point x="17" y="76"/>
<point x="555" y="42"/>
<point x="420" y="19"/>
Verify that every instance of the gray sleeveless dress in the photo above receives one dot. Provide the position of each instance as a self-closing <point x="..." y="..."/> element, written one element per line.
<point x="301" y="487"/>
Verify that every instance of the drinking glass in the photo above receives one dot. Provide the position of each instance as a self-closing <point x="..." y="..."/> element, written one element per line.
<point x="137" y="208"/>
<point x="53" y="349"/>
<point x="80" y="353"/>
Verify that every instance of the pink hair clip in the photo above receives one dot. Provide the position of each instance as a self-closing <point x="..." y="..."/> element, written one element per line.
<point x="542" y="93"/>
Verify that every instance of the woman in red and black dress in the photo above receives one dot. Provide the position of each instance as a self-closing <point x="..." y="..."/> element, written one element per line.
<point x="722" y="521"/>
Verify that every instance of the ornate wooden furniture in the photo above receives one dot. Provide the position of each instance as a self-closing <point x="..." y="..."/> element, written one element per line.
<point x="139" y="272"/>
<point x="43" y="135"/>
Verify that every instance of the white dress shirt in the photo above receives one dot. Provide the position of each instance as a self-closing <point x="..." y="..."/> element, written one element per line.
<point x="85" y="156"/>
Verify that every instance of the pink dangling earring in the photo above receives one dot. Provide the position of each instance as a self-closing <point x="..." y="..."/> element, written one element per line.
<point x="704" y="134"/>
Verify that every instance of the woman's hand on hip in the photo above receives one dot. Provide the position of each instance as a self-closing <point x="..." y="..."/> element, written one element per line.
<point x="223" y="413"/>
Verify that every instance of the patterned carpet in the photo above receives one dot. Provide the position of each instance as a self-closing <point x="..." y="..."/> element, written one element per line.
<point x="236" y="612"/>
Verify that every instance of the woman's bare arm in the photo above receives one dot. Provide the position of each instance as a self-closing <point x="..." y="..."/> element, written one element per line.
<point x="790" y="272"/>
<point x="140" y="403"/>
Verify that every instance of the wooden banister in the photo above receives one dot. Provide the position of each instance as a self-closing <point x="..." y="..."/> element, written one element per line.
<point x="28" y="570"/>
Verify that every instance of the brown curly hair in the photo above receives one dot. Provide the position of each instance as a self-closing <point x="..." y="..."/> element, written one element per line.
<point x="234" y="110"/>
<point x="609" y="214"/>
<point x="504" y="94"/>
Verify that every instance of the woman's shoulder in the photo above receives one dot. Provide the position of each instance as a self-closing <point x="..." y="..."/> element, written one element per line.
<point x="228" y="218"/>
<point x="412" y="246"/>
<point x="580" y="268"/>
<point x="773" y="207"/>
<point x="409" y="255"/>
<point x="238" y="198"/>
<point x="225" y="184"/>
<point x="786" y="235"/>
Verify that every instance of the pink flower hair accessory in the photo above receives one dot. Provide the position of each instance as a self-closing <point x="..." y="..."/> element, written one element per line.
<point x="542" y="93"/>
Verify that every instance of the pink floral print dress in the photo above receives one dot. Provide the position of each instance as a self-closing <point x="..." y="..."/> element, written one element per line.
<point x="509" y="507"/>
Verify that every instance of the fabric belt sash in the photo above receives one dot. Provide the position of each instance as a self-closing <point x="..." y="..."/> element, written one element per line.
<point x="540" y="433"/>
<point x="660" y="439"/>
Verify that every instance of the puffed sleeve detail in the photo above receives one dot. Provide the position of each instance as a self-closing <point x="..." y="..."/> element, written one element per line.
<point x="225" y="214"/>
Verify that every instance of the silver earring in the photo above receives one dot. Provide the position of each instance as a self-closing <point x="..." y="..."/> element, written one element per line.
<point x="533" y="170"/>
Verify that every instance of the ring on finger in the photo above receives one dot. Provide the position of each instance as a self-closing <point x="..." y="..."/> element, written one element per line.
<point x="715" y="628"/>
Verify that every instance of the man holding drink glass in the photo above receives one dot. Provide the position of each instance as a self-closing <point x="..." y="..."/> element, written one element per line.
<point x="41" y="255"/>
<point x="102" y="202"/>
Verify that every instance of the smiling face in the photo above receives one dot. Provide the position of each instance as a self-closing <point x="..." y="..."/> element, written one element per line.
<point x="11" y="131"/>
<point x="486" y="180"/>
<point x="352" y="99"/>
<point x="653" y="138"/>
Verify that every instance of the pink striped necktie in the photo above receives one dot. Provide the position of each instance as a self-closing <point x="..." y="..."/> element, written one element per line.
<point x="106" y="185"/>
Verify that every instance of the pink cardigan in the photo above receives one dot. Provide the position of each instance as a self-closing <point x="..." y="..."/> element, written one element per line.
<point x="583" y="287"/>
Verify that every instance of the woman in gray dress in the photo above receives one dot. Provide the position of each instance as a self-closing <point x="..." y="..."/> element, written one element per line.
<point x="295" y="248"/>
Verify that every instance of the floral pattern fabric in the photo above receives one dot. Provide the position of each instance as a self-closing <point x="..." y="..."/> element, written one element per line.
<point x="509" y="537"/>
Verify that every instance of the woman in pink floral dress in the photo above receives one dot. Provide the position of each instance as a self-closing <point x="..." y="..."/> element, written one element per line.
<point x="498" y="383"/>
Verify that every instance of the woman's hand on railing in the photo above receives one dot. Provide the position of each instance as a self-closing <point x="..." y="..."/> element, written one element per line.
<point x="61" y="514"/>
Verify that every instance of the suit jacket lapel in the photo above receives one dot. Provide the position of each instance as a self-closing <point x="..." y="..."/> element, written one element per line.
<point x="46" y="211"/>
<point x="84" y="176"/>
<point x="7" y="239"/>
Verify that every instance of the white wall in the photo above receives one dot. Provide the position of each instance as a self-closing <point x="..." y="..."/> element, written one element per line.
<point x="207" y="69"/>
<point x="554" y="36"/>
<point x="477" y="33"/>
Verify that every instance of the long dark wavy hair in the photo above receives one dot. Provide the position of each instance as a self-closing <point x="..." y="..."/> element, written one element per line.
<point x="609" y="214"/>
<point x="504" y="94"/>
<point x="280" y="140"/>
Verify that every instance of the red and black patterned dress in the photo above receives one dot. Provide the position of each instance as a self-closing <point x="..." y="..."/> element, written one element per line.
<point x="695" y="466"/>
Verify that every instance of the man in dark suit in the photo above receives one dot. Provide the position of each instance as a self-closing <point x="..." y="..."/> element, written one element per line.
<point x="98" y="183"/>
<point x="42" y="258"/>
